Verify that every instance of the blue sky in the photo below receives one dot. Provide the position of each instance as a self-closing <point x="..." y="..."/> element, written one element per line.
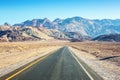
<point x="16" y="11"/>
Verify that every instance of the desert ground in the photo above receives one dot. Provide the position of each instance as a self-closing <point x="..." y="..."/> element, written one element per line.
<point x="98" y="55"/>
<point x="109" y="51"/>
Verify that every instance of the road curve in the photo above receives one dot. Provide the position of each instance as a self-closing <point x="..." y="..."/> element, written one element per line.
<point x="62" y="65"/>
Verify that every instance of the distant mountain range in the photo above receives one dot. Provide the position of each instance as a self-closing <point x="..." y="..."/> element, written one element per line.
<point x="75" y="28"/>
<point x="87" y="27"/>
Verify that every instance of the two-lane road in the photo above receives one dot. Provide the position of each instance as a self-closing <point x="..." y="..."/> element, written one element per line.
<point x="62" y="65"/>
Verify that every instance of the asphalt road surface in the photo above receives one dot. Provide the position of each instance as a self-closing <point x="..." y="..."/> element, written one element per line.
<point x="61" y="65"/>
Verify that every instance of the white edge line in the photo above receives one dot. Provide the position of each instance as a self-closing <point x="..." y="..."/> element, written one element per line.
<point x="82" y="67"/>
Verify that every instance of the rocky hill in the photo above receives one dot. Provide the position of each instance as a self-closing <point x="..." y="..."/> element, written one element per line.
<point x="108" y="37"/>
<point x="54" y="33"/>
<point x="22" y="34"/>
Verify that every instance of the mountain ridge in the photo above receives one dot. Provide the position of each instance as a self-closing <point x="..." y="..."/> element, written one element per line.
<point x="87" y="27"/>
<point x="75" y="28"/>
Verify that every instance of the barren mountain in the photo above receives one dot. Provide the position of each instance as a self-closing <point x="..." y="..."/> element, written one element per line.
<point x="75" y="28"/>
<point x="22" y="34"/>
<point x="108" y="37"/>
<point x="86" y="27"/>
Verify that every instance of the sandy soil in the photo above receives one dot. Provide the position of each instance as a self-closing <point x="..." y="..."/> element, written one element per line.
<point x="11" y="53"/>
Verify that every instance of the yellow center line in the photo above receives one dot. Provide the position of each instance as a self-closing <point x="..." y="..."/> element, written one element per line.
<point x="26" y="68"/>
